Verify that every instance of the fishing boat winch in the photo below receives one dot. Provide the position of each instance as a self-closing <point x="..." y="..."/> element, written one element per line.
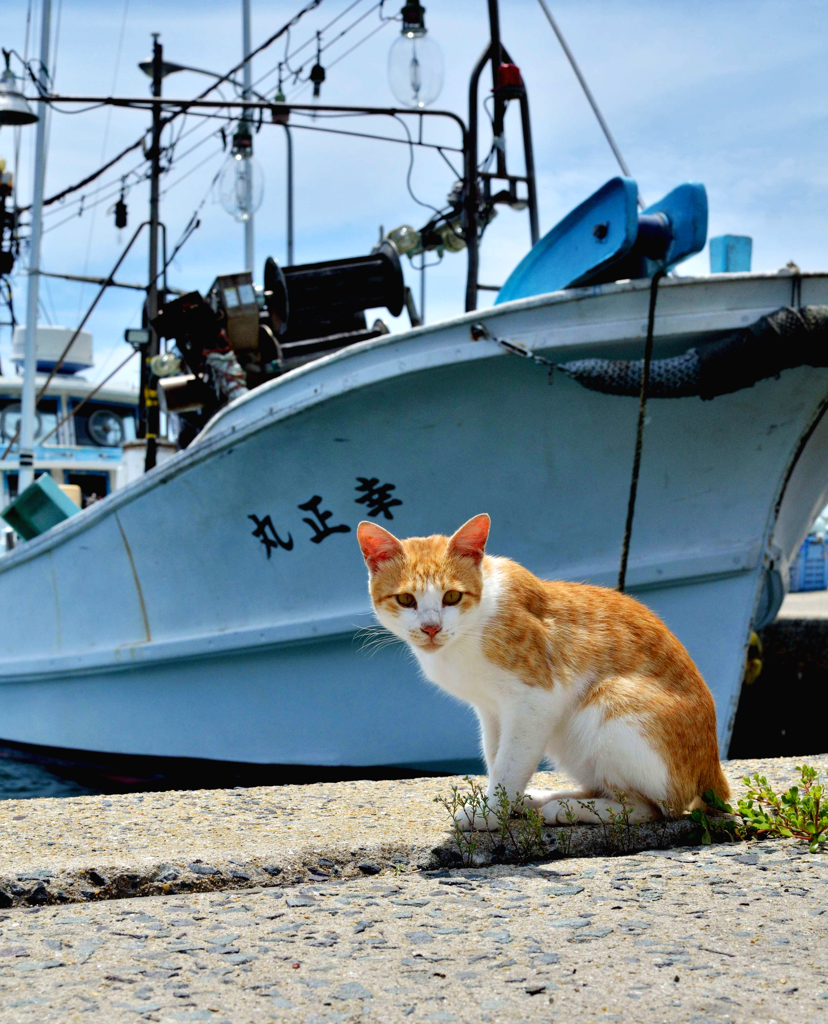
<point x="236" y="338"/>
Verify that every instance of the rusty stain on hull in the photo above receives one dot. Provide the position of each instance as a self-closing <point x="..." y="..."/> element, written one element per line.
<point x="138" y="590"/>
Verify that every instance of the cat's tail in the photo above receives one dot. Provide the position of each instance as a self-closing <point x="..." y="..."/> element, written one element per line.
<point x="713" y="778"/>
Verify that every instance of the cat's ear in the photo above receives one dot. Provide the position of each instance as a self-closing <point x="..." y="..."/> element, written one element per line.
<point x="470" y="540"/>
<point x="377" y="545"/>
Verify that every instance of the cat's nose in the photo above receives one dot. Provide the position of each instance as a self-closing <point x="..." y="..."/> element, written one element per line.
<point x="432" y="628"/>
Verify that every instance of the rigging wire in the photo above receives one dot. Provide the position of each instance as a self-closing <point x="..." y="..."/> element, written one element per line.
<point x="380" y="138"/>
<point x="105" y="142"/>
<point x="296" y="73"/>
<point x="309" y="6"/>
<point x="363" y="40"/>
<point x="193" y="222"/>
<point x="588" y="93"/>
<point x="285" y="62"/>
<point x="192" y="170"/>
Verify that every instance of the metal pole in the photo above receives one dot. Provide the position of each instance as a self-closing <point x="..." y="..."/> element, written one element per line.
<point x="422" y="287"/>
<point x="499" y="103"/>
<point x="149" y="388"/>
<point x="470" y="173"/>
<point x="27" y="412"/>
<point x="247" y="78"/>
<point x="529" y="159"/>
<point x="289" y="196"/>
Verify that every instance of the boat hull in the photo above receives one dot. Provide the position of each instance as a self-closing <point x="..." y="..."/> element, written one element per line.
<point x="213" y="608"/>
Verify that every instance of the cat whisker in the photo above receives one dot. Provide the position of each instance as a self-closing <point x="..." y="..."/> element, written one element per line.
<point x="375" y="638"/>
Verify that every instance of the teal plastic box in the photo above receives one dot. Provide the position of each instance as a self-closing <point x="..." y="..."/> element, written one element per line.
<point x="40" y="507"/>
<point x="730" y="254"/>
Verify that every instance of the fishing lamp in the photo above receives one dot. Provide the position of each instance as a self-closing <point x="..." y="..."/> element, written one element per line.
<point x="415" y="61"/>
<point x="14" y="108"/>
<point x="405" y="238"/>
<point x="241" y="183"/>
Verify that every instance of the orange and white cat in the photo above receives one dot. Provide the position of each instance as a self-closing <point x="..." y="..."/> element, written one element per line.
<point x="584" y="676"/>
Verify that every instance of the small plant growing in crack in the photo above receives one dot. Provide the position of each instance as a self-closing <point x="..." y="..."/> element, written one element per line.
<point x="618" y="831"/>
<point x="564" y="835"/>
<point x="513" y="831"/>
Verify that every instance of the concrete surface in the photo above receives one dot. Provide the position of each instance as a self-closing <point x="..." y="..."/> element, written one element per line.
<point x="715" y="934"/>
<point x="102" y="847"/>
<point x="806" y="604"/>
<point x="327" y="916"/>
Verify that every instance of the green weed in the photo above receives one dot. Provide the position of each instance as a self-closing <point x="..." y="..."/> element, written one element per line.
<point x="513" y="833"/>
<point x="799" y="813"/>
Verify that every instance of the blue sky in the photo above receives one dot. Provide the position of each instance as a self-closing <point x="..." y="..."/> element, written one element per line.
<point x="733" y="94"/>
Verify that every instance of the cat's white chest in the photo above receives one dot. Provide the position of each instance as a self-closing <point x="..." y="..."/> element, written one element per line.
<point x="463" y="671"/>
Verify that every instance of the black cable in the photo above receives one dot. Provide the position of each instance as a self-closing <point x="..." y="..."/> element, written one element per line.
<point x="419" y="202"/>
<point x="285" y="62"/>
<point x="639" y="432"/>
<point x="380" y="138"/>
<point x="357" y="45"/>
<point x="89" y="178"/>
<point x="310" y="6"/>
<point x="192" y="170"/>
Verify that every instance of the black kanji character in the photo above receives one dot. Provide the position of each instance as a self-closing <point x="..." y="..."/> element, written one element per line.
<point x="378" y="499"/>
<point x="321" y="530"/>
<point x="271" y="540"/>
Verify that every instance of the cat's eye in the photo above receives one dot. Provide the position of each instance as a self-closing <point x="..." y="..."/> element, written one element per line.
<point x="407" y="600"/>
<point x="452" y="597"/>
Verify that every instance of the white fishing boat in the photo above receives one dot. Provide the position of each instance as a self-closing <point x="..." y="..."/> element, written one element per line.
<point x="215" y="607"/>
<point x="226" y="624"/>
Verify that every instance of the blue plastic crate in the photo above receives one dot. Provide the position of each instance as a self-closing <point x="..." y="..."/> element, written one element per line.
<point x="809" y="570"/>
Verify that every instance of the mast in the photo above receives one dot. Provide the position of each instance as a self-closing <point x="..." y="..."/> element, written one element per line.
<point x="27" y="413"/>
<point x="247" y="92"/>
<point x="149" y="389"/>
<point x="507" y="84"/>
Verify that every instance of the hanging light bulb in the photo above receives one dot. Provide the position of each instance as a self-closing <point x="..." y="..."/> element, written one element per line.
<point x="279" y="116"/>
<point x="317" y="72"/>
<point x="14" y="109"/>
<point x="415" y="61"/>
<point x="241" y="184"/>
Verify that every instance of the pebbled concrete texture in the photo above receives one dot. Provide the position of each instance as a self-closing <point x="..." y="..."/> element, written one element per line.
<point x="328" y="905"/>
<point x="90" y="848"/>
<point x="710" y="935"/>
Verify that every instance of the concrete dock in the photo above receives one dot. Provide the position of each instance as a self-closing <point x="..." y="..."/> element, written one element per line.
<point x="329" y="904"/>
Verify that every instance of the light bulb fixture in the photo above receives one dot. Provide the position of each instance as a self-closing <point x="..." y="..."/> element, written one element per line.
<point x="405" y="238"/>
<point x="317" y="73"/>
<point x="14" y="107"/>
<point x="241" y="183"/>
<point x="415" y="61"/>
<point x="317" y="76"/>
<point x="279" y="117"/>
<point x="452" y="236"/>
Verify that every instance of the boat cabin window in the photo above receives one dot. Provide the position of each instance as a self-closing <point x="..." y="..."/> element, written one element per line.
<point x="45" y="419"/>
<point x="94" y="486"/>
<point x="105" y="426"/>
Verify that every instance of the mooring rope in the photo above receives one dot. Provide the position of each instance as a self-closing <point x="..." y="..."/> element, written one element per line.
<point x="479" y="331"/>
<point x="639" y="433"/>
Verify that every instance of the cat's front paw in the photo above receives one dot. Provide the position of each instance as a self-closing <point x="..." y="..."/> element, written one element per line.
<point x="560" y="812"/>
<point x="537" y="798"/>
<point x="470" y="819"/>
